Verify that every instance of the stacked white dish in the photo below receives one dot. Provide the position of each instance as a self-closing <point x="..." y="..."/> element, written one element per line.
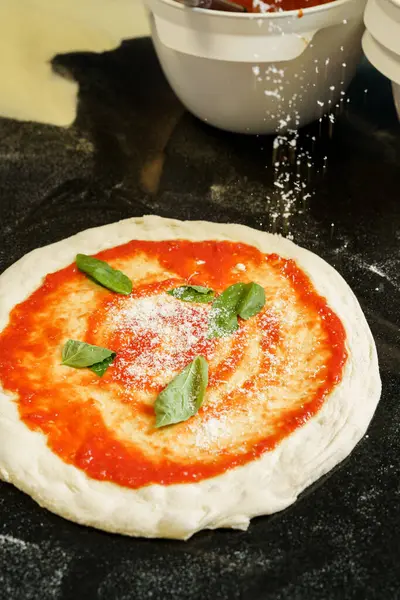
<point x="381" y="41"/>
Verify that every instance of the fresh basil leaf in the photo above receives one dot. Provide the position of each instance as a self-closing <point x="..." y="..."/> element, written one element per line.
<point x="103" y="273"/>
<point x="193" y="293"/>
<point x="184" y="395"/>
<point x="101" y="367"/>
<point x="79" y="354"/>
<point x="240" y="299"/>
<point x="252" y="300"/>
<point x="222" y="320"/>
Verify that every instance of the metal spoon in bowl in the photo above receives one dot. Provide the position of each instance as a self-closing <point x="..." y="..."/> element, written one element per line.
<point x="225" y="5"/>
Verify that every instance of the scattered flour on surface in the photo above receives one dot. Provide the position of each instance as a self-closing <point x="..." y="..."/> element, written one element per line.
<point x="31" y="571"/>
<point x="211" y="574"/>
<point x="381" y="273"/>
<point x="388" y="270"/>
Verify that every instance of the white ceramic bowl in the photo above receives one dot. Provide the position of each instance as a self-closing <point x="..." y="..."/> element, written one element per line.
<point x="381" y="41"/>
<point x="258" y="73"/>
<point x="382" y="20"/>
<point x="386" y="61"/>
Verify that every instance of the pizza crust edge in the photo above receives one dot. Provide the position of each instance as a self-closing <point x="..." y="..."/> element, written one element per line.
<point x="262" y="487"/>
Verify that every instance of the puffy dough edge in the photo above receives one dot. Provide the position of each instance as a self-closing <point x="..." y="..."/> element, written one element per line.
<point x="262" y="487"/>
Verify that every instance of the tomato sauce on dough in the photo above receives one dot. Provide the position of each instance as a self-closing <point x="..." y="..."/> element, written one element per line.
<point x="265" y="381"/>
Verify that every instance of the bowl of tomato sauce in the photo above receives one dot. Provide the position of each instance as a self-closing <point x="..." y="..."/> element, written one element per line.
<point x="277" y="66"/>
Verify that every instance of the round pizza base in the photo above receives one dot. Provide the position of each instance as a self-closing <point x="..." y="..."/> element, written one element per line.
<point x="261" y="487"/>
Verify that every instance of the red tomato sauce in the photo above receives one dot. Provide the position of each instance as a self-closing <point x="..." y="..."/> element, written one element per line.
<point x="280" y="5"/>
<point x="76" y="431"/>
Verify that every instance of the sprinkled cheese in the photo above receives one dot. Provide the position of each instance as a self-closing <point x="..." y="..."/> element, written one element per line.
<point x="241" y="267"/>
<point x="161" y="332"/>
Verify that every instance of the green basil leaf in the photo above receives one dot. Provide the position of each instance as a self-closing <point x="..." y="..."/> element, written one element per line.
<point x="193" y="293"/>
<point x="101" y="367"/>
<point x="252" y="300"/>
<point x="103" y="273"/>
<point x="184" y="395"/>
<point x="222" y="320"/>
<point x="240" y="299"/>
<point x="79" y="354"/>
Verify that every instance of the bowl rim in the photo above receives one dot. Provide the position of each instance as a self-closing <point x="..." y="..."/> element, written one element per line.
<point x="176" y="5"/>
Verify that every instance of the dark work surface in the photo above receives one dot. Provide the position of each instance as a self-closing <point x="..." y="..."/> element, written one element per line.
<point x="135" y="151"/>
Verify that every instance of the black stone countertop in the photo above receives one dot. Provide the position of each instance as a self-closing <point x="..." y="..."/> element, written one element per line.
<point x="134" y="151"/>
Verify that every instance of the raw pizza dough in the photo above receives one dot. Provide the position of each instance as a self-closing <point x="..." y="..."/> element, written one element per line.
<point x="32" y="32"/>
<point x="260" y="487"/>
